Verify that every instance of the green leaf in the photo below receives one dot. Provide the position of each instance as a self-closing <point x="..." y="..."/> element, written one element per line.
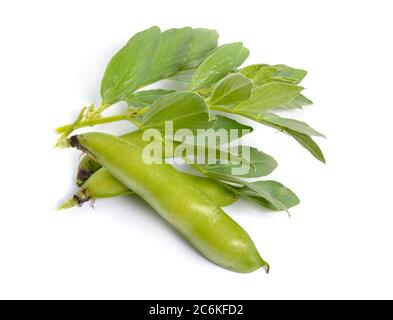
<point x="233" y="131"/>
<point x="275" y="189"/>
<point x="128" y="69"/>
<point x="183" y="75"/>
<point x="298" y="102"/>
<point x="251" y="70"/>
<point x="244" y="53"/>
<point x="185" y="109"/>
<point x="171" y="54"/>
<point x="259" y="163"/>
<point x="304" y="139"/>
<point x="308" y="143"/>
<point x="270" y="74"/>
<point x="259" y="191"/>
<point x="146" y="98"/>
<point x="203" y="42"/>
<point x="268" y="96"/>
<point x="264" y="75"/>
<point x="221" y="122"/>
<point x="297" y="75"/>
<point x="292" y="124"/>
<point x="220" y="63"/>
<point x="233" y="89"/>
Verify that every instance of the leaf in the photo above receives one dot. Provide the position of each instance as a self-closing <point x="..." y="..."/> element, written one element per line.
<point x="269" y="74"/>
<point x="244" y="53"/>
<point x="308" y="143"/>
<point x="251" y="70"/>
<point x="297" y="75"/>
<point x="259" y="191"/>
<point x="259" y="163"/>
<point x="298" y="102"/>
<point x="221" y="62"/>
<point x="221" y="122"/>
<point x="305" y="140"/>
<point x="171" y="54"/>
<point x="264" y="75"/>
<point x="292" y="124"/>
<point x="269" y="96"/>
<point x="183" y="75"/>
<point x="203" y="42"/>
<point x="231" y="129"/>
<point x="146" y="98"/>
<point x="275" y="189"/>
<point x="233" y="89"/>
<point x="128" y="69"/>
<point x="185" y="109"/>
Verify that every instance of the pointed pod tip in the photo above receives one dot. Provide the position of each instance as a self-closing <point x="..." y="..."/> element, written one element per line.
<point x="266" y="267"/>
<point x="69" y="203"/>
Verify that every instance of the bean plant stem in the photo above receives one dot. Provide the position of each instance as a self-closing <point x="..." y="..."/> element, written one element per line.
<point x="125" y="116"/>
<point x="93" y="122"/>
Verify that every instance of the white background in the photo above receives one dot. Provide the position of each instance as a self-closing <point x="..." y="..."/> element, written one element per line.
<point x="338" y="243"/>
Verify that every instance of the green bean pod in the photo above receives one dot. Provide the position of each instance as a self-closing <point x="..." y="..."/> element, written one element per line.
<point x="189" y="210"/>
<point x="96" y="182"/>
<point x="102" y="184"/>
<point x="88" y="166"/>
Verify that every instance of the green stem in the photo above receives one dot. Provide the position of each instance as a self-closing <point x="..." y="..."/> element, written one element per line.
<point x="93" y="122"/>
<point x="63" y="142"/>
<point x="134" y="121"/>
<point x="101" y="108"/>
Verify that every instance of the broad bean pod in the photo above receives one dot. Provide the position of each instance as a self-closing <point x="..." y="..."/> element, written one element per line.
<point x="186" y="208"/>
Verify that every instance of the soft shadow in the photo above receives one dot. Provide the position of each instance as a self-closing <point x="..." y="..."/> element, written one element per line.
<point x="139" y="207"/>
